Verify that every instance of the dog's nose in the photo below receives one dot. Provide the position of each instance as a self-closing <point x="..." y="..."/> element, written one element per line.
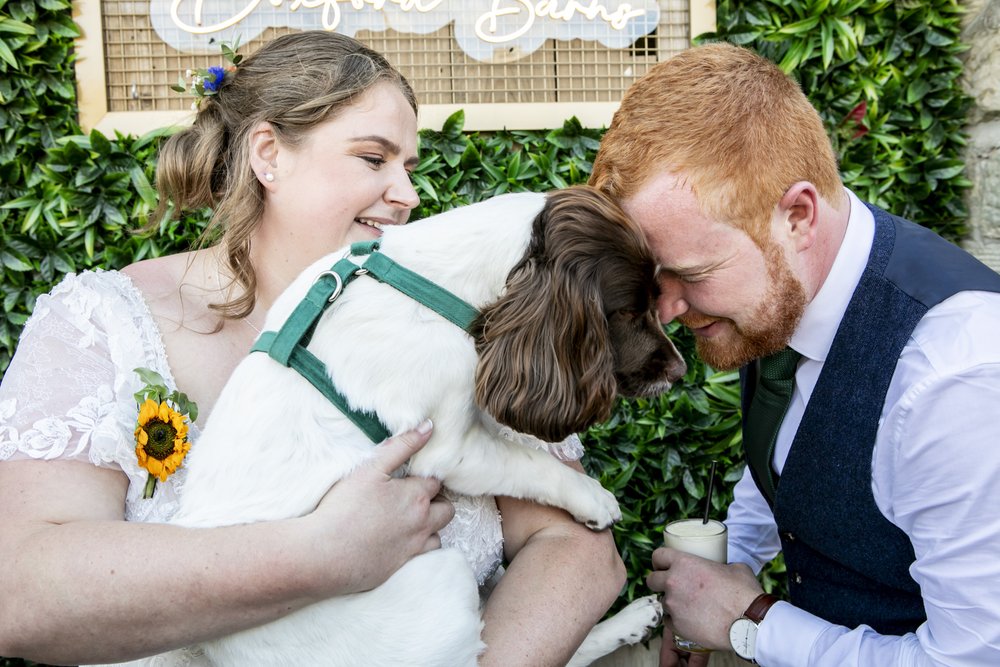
<point x="676" y="366"/>
<point x="677" y="370"/>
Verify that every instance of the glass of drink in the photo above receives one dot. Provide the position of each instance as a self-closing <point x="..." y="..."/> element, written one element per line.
<point x="705" y="539"/>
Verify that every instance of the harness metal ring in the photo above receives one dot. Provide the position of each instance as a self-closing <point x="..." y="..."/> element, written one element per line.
<point x="338" y="286"/>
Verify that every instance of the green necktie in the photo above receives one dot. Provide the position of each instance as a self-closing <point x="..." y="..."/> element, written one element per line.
<point x="775" y="382"/>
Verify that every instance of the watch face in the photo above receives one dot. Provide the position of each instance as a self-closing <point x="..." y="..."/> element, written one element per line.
<point x="743" y="637"/>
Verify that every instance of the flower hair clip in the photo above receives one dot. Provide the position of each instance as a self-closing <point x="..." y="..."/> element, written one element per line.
<point x="206" y="82"/>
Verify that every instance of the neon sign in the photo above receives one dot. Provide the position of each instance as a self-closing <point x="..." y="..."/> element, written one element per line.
<point x="487" y="30"/>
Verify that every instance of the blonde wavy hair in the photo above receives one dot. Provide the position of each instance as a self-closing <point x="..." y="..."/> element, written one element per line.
<point x="731" y="124"/>
<point x="294" y="82"/>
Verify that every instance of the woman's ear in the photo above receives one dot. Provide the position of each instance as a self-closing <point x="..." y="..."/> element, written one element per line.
<point x="546" y="366"/>
<point x="264" y="153"/>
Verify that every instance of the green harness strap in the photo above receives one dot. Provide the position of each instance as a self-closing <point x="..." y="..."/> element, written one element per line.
<point x="313" y="370"/>
<point x="287" y="346"/>
<point x="421" y="290"/>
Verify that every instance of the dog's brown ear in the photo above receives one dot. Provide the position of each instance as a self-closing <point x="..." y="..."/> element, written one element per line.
<point x="546" y="365"/>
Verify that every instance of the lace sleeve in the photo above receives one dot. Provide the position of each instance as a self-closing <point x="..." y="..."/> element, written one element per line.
<point x="570" y="449"/>
<point x="68" y="391"/>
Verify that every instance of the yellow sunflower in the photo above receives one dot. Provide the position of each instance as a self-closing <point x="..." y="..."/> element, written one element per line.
<point x="160" y="441"/>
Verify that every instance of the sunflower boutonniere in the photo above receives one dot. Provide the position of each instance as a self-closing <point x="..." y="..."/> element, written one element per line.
<point x="161" y="430"/>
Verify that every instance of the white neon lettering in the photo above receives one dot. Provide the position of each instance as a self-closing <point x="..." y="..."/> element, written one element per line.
<point x="479" y="26"/>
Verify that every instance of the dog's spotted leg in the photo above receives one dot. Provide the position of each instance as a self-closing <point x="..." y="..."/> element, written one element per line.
<point x="629" y="626"/>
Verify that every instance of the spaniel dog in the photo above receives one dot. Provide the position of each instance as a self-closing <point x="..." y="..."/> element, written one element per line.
<point x="564" y="285"/>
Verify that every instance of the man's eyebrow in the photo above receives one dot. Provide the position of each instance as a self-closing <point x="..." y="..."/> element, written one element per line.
<point x="691" y="269"/>
<point x="390" y="146"/>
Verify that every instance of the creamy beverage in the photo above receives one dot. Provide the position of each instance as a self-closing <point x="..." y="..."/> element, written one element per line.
<point x="694" y="536"/>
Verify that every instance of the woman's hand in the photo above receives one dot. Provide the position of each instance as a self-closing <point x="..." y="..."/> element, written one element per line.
<point x="389" y="519"/>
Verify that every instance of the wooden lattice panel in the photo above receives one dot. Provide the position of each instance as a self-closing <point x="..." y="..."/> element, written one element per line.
<point x="139" y="66"/>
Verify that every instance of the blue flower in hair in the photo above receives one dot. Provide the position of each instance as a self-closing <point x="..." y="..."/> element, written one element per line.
<point x="216" y="75"/>
<point x="204" y="83"/>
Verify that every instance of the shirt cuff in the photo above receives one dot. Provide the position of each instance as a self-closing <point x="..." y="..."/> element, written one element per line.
<point x="737" y="555"/>
<point x="786" y="636"/>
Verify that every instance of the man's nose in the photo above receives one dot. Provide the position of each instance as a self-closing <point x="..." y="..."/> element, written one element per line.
<point x="671" y="303"/>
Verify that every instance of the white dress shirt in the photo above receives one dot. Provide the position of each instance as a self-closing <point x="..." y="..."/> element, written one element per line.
<point x="935" y="475"/>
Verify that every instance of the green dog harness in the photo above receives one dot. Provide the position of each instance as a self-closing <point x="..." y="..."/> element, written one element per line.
<point x="287" y="346"/>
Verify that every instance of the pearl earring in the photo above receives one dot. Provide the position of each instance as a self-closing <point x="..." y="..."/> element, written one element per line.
<point x="269" y="177"/>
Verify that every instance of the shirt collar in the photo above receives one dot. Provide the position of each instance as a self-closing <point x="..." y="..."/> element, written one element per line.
<point x="821" y="319"/>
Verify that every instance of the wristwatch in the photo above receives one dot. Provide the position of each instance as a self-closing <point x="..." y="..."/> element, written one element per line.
<point x="743" y="631"/>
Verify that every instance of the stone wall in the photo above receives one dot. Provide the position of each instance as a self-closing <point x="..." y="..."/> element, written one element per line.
<point x="982" y="82"/>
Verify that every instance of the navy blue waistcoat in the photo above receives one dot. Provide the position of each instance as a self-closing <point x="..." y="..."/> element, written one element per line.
<point x="846" y="562"/>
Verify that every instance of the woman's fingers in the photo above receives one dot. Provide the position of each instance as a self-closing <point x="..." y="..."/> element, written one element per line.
<point x="397" y="450"/>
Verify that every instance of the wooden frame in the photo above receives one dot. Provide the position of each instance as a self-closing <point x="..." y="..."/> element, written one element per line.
<point x="94" y="113"/>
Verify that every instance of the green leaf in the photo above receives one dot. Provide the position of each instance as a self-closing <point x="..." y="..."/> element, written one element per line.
<point x="453" y="124"/>
<point x="514" y="166"/>
<point x="743" y="38"/>
<point x="799" y="27"/>
<point x="847" y="38"/>
<point x="26" y="201"/>
<point x="141" y="184"/>
<point x="936" y="38"/>
<point x="99" y="143"/>
<point x="149" y="376"/>
<point x="7" y="55"/>
<point x="826" y="40"/>
<point x="13" y="262"/>
<point x="63" y="26"/>
<point x="15" y="27"/>
<point x="425" y="186"/>
<point x="946" y="169"/>
<point x="470" y="157"/>
<point x="916" y="90"/>
<point x="89" y="240"/>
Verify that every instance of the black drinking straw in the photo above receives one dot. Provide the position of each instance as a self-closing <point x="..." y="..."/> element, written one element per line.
<point x="708" y="493"/>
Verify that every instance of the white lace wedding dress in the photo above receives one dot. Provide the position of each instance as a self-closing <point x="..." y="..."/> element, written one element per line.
<point x="68" y="394"/>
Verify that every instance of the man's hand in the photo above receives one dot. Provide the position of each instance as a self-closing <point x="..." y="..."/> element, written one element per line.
<point x="701" y="597"/>
<point x="671" y="656"/>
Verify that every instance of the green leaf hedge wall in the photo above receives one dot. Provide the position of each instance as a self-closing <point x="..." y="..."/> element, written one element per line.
<point x="884" y="76"/>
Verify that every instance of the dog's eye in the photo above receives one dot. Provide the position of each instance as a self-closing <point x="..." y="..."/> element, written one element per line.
<point x="628" y="313"/>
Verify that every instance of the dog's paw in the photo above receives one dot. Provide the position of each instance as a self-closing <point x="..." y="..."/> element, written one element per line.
<point x="602" y="511"/>
<point x="639" y="618"/>
<point x="629" y="626"/>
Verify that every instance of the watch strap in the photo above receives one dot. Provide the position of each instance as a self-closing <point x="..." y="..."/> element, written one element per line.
<point x="760" y="606"/>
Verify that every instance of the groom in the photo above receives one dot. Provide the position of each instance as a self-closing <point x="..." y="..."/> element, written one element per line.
<point x="870" y="374"/>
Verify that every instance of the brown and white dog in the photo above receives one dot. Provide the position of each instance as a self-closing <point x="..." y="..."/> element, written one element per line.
<point x="565" y="286"/>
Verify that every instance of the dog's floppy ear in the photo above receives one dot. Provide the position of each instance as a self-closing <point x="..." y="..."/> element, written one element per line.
<point x="546" y="365"/>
